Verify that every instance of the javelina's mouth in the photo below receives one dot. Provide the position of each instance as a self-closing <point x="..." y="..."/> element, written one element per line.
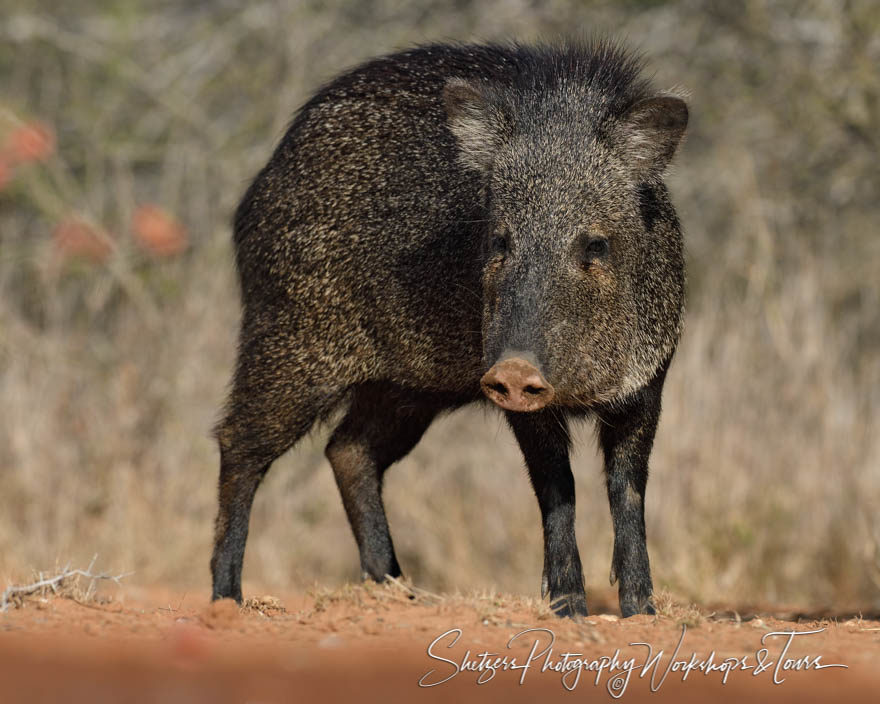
<point x="515" y="384"/>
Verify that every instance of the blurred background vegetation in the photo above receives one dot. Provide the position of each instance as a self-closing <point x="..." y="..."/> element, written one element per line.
<point x="129" y="130"/>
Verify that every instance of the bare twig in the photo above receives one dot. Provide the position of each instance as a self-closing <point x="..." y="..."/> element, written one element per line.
<point x="56" y="581"/>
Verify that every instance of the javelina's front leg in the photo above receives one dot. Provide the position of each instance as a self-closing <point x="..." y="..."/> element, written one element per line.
<point x="544" y="441"/>
<point x="626" y="435"/>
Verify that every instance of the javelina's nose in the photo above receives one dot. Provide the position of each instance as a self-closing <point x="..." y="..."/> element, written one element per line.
<point x="516" y="385"/>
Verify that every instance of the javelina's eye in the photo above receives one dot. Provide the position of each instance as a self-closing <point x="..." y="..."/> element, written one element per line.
<point x="595" y="248"/>
<point x="499" y="244"/>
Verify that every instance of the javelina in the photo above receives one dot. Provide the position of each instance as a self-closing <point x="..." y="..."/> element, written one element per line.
<point x="450" y="224"/>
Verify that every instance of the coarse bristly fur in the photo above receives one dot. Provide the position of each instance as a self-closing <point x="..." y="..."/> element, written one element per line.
<point x="425" y="214"/>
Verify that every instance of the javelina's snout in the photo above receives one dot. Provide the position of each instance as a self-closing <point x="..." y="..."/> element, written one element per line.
<point x="516" y="384"/>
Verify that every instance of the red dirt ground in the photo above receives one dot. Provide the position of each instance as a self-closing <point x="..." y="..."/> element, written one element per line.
<point x="371" y="644"/>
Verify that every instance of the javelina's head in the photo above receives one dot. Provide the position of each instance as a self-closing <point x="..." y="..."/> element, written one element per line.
<point x="583" y="278"/>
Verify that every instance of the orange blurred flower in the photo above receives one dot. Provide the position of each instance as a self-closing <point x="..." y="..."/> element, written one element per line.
<point x="34" y="141"/>
<point x="77" y="238"/>
<point x="158" y="231"/>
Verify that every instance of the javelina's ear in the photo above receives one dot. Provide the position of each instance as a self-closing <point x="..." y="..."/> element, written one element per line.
<point x="474" y="123"/>
<point x="652" y="130"/>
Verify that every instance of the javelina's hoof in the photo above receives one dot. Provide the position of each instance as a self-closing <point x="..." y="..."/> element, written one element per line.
<point x="633" y="607"/>
<point x="226" y="589"/>
<point x="572" y="606"/>
<point x="233" y="594"/>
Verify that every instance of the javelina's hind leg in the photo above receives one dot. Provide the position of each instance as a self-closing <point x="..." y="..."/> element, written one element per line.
<point x="626" y="435"/>
<point x="544" y="441"/>
<point x="382" y="425"/>
<point x="269" y="410"/>
<point x="240" y="474"/>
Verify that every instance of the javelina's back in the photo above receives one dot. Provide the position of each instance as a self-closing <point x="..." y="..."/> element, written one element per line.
<point x="363" y="220"/>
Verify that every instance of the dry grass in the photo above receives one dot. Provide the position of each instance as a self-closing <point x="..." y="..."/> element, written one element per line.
<point x="489" y="607"/>
<point x="267" y="606"/>
<point x="684" y="614"/>
<point x="766" y="472"/>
